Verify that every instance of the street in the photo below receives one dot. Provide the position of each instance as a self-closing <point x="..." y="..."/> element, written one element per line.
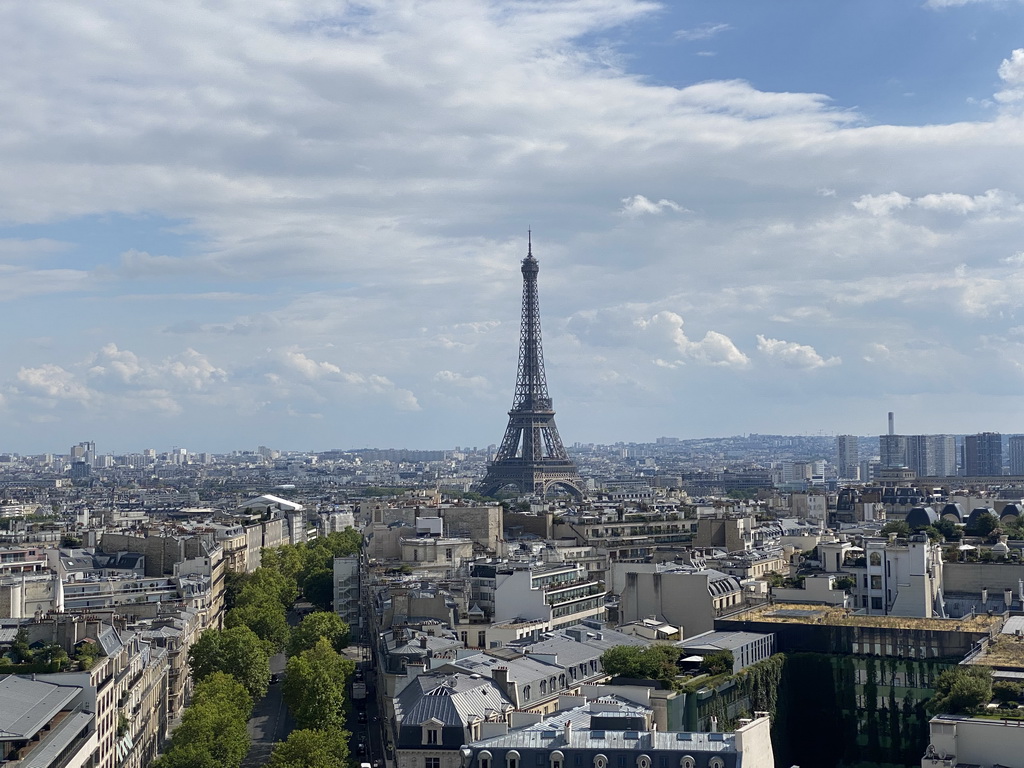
<point x="270" y="722"/>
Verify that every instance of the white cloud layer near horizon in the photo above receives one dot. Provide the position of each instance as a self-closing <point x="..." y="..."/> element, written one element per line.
<point x="300" y="224"/>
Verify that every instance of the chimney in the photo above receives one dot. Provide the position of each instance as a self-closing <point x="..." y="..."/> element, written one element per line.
<point x="1008" y="597"/>
<point x="423" y="641"/>
<point x="568" y="732"/>
<point x="984" y="594"/>
<point x="892" y="426"/>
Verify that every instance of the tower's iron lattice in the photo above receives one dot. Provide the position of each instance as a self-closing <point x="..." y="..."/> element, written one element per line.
<point x="531" y="457"/>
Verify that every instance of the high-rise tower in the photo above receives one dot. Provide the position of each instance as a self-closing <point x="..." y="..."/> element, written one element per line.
<point x="531" y="456"/>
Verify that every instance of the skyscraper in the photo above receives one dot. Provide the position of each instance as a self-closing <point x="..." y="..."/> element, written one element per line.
<point x="931" y="455"/>
<point x="531" y="456"/>
<point x="983" y="454"/>
<point x="1016" y="451"/>
<point x="847" y="457"/>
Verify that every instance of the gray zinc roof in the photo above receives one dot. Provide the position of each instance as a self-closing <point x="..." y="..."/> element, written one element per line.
<point x="27" y="705"/>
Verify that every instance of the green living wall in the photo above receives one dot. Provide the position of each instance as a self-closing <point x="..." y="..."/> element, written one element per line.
<point x="827" y="710"/>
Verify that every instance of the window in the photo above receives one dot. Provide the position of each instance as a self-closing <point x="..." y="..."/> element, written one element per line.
<point x="557" y="759"/>
<point x="600" y="761"/>
<point x="876" y="582"/>
<point x="432" y="762"/>
<point x="448" y="554"/>
<point x="526" y="693"/>
<point x="643" y="762"/>
<point x="543" y="687"/>
<point x="511" y="759"/>
<point x="876" y="603"/>
<point x="687" y="762"/>
<point x="876" y="559"/>
<point x="484" y="759"/>
<point x="431" y="737"/>
<point x="716" y="762"/>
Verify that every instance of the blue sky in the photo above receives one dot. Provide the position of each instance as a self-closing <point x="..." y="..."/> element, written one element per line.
<point x="299" y="224"/>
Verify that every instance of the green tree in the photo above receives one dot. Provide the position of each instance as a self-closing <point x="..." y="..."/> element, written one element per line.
<point x="287" y="560"/>
<point x="654" y="662"/>
<point x="265" y="584"/>
<point x="316" y="625"/>
<point x="899" y="527"/>
<point x="318" y="588"/>
<point x="233" y="585"/>
<point x="984" y="524"/>
<point x="224" y="691"/>
<point x="309" y="748"/>
<point x="207" y="728"/>
<point x="717" y="663"/>
<point x="236" y="651"/>
<point x="961" y="691"/>
<point x="266" y="618"/>
<point x="314" y="686"/>
<point x="19" y="648"/>
<point x="950" y="531"/>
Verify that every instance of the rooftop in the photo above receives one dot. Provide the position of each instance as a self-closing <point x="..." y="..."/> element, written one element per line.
<point x="1004" y="651"/>
<point x="797" y="613"/>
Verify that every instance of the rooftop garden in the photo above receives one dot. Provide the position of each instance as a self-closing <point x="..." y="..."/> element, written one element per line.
<point x="825" y="614"/>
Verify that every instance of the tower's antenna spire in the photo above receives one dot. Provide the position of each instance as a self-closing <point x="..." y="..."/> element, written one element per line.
<point x="529" y="243"/>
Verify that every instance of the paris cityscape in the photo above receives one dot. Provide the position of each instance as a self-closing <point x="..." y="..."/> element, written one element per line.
<point x="498" y="384"/>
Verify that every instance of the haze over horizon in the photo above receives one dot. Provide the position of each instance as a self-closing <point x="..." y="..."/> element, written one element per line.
<point x="299" y="223"/>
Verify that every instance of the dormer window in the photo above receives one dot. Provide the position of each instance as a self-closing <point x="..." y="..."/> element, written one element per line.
<point x="484" y="759"/>
<point x="556" y="759"/>
<point x="431" y="732"/>
<point x="511" y="759"/>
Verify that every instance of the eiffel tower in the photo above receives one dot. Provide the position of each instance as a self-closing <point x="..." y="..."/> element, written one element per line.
<point x="531" y="457"/>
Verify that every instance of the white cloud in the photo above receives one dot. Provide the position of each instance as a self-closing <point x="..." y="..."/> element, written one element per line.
<point x="1011" y="72"/>
<point x="52" y="383"/>
<point x="793" y="355"/>
<point x="459" y="380"/>
<point x="638" y="205"/>
<point x="279" y="208"/>
<point x="882" y="205"/>
<point x="715" y="348"/>
<point x="703" y="32"/>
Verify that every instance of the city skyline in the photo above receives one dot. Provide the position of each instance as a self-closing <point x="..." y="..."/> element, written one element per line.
<point x="300" y="224"/>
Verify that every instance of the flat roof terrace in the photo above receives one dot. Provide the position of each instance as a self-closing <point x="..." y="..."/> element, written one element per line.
<point x="797" y="613"/>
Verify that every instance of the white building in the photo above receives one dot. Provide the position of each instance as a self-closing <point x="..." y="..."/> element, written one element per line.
<point x="967" y="741"/>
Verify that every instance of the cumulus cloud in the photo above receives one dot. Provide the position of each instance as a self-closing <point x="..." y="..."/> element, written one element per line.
<point x="638" y="205"/>
<point x="52" y="383"/>
<point x="715" y="348"/>
<point x="361" y="176"/>
<point x="1011" y="72"/>
<point x="295" y="370"/>
<point x="793" y="355"/>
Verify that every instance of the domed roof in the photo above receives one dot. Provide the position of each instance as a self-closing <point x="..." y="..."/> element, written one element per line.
<point x="953" y="512"/>
<point x="920" y="517"/>
<point x="1011" y="510"/>
<point x="976" y="514"/>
